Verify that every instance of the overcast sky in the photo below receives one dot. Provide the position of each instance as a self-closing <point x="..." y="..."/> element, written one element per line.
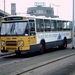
<point x="64" y="10"/>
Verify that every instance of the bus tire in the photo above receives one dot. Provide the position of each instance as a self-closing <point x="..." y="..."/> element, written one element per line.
<point x="65" y="43"/>
<point x="64" y="46"/>
<point x="42" y="47"/>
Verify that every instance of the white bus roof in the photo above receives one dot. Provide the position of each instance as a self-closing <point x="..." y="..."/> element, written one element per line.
<point x="37" y="17"/>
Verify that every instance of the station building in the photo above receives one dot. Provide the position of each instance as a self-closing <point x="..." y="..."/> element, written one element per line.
<point x="2" y="15"/>
<point x="41" y="10"/>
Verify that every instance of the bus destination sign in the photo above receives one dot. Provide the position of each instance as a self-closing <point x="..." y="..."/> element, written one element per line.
<point x="13" y="18"/>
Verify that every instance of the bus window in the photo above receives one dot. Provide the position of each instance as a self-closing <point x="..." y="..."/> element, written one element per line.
<point x="69" y="25"/>
<point x="47" y="25"/>
<point x="32" y="28"/>
<point x="26" y="31"/>
<point x="64" y="24"/>
<point x="39" y="25"/>
<point x="53" y="25"/>
<point x="59" y="25"/>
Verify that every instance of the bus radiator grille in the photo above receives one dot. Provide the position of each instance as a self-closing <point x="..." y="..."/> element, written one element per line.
<point x="11" y="43"/>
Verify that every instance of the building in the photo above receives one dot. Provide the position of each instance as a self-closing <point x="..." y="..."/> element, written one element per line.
<point x="41" y="10"/>
<point x="2" y="13"/>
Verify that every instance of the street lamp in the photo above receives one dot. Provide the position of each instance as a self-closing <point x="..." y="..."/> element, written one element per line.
<point x="4" y="8"/>
<point x="57" y="7"/>
<point x="73" y="23"/>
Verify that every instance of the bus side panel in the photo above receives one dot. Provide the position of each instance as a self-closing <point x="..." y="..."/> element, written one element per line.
<point x="53" y="44"/>
<point x="34" y="48"/>
<point x="57" y="43"/>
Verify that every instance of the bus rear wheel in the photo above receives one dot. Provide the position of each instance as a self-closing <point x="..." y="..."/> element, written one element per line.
<point x="64" y="46"/>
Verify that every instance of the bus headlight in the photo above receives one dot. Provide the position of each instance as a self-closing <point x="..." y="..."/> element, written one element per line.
<point x="21" y="43"/>
<point x="2" y="43"/>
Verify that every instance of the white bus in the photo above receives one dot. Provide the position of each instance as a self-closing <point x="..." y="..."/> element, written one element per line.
<point x="31" y="33"/>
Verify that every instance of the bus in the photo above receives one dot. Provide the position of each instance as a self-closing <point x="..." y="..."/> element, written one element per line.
<point x="34" y="33"/>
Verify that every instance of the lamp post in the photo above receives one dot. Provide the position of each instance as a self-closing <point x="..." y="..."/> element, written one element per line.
<point x="4" y="8"/>
<point x="73" y="22"/>
<point x="57" y="7"/>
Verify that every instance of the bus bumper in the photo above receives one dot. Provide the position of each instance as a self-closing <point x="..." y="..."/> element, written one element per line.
<point x="4" y="51"/>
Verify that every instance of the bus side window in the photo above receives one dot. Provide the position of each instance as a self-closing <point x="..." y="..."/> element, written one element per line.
<point x="26" y="30"/>
<point x="64" y="24"/>
<point x="59" y="25"/>
<point x="69" y="25"/>
<point x="32" y="28"/>
<point x="53" y="25"/>
<point x="47" y="25"/>
<point x="39" y="25"/>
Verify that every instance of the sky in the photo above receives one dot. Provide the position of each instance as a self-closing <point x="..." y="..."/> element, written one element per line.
<point x="64" y="9"/>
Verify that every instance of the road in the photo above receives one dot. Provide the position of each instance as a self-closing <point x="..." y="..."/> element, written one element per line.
<point x="62" y="67"/>
<point x="12" y="63"/>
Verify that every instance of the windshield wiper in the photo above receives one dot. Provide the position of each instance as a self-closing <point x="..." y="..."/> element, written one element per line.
<point x="12" y="30"/>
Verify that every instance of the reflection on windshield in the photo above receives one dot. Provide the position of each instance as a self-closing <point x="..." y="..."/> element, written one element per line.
<point x="14" y="28"/>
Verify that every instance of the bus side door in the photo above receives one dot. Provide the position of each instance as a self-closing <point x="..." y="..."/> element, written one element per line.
<point x="32" y="33"/>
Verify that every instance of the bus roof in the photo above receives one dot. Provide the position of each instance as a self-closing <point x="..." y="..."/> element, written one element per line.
<point x="37" y="17"/>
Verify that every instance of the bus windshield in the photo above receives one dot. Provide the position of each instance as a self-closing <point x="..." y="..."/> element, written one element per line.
<point x="13" y="28"/>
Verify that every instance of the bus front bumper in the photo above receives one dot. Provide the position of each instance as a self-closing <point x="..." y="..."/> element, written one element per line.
<point x="4" y="51"/>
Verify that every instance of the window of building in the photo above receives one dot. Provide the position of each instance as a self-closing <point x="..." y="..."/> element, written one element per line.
<point x="39" y="11"/>
<point x="48" y="11"/>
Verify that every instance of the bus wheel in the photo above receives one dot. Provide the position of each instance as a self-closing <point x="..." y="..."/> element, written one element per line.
<point x="65" y="43"/>
<point x="42" y="47"/>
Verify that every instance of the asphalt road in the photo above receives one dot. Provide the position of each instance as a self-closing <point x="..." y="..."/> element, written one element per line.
<point x="62" y="67"/>
<point x="11" y="63"/>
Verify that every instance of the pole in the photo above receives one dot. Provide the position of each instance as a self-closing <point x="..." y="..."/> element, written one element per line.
<point x="73" y="26"/>
<point x="57" y="7"/>
<point x="57" y="10"/>
<point x="4" y="8"/>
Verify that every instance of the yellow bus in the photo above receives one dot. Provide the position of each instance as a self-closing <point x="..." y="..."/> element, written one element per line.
<point x="32" y="33"/>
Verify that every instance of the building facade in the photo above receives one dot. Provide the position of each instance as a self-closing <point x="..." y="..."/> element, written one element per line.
<point x="41" y="11"/>
<point x="2" y="15"/>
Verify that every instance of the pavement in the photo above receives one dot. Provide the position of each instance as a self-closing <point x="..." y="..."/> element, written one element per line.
<point x="8" y="53"/>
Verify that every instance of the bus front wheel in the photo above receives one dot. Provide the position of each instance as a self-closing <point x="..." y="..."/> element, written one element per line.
<point x="42" y="47"/>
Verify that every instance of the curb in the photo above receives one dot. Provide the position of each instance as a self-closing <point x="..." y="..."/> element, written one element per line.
<point x="3" y="54"/>
<point x="39" y="65"/>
